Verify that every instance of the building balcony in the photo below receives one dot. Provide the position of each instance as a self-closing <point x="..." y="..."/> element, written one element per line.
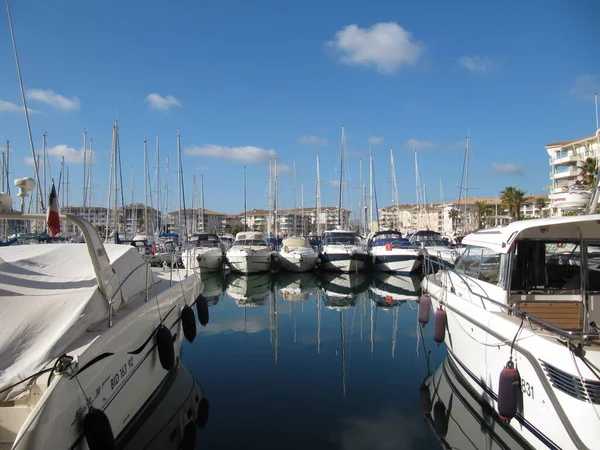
<point x="571" y="172"/>
<point x="564" y="159"/>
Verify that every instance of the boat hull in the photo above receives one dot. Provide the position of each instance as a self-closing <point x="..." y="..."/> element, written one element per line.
<point x="205" y="260"/>
<point x="298" y="260"/>
<point x="344" y="259"/>
<point x="118" y="370"/>
<point x="479" y="341"/>
<point x="250" y="261"/>
<point x="395" y="260"/>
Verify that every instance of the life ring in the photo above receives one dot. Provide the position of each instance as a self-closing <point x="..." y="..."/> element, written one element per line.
<point x="286" y="249"/>
<point x="388" y="247"/>
<point x="388" y="299"/>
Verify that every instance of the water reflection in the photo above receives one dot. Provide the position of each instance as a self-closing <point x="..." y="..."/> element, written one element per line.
<point x="172" y="418"/>
<point x="337" y="353"/>
<point x="458" y="417"/>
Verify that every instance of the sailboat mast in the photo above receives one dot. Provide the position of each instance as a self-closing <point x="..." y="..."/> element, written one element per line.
<point x="179" y="181"/>
<point x="295" y="190"/>
<point x="145" y="187"/>
<point x="245" y="215"/>
<point x="371" y="188"/>
<point x="202" y="200"/>
<point x="116" y="178"/>
<point x="467" y="181"/>
<point x="276" y="200"/>
<point x="341" y="181"/>
<point x="318" y="197"/>
<point x="44" y="162"/>
<point x="90" y="165"/>
<point x="365" y="208"/>
<point x="395" y="199"/>
<point x="360" y="199"/>
<point x="158" y="186"/>
<point x="133" y="209"/>
<point x="85" y="169"/>
<point x="270" y="223"/>
<point x="302" y="209"/>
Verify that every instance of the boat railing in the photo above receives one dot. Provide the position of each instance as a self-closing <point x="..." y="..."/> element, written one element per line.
<point x="430" y="264"/>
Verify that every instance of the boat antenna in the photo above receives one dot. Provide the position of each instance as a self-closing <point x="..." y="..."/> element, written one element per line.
<point x="31" y="145"/>
<point x="341" y="180"/>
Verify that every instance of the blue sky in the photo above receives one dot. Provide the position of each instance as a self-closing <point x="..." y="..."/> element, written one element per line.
<point x="245" y="80"/>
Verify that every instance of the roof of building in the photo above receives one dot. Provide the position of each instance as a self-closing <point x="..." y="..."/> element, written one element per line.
<point x="573" y="141"/>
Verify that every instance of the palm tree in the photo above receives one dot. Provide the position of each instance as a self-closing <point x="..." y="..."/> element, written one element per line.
<point x="512" y="200"/>
<point x="540" y="204"/>
<point x="453" y="214"/>
<point x="482" y="209"/>
<point x="589" y="170"/>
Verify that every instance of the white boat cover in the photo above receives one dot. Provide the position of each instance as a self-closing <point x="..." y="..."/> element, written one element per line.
<point x="49" y="297"/>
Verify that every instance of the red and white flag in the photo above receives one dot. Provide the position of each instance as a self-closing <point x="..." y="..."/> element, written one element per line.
<point x="52" y="218"/>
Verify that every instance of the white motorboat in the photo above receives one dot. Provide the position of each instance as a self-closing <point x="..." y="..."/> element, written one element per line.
<point x="88" y="334"/>
<point x="341" y="251"/>
<point x="171" y="418"/>
<point x="521" y="310"/>
<point x="205" y="253"/>
<point x="435" y="248"/>
<point x="459" y="418"/>
<point x="297" y="255"/>
<point x="250" y="253"/>
<point x="391" y="253"/>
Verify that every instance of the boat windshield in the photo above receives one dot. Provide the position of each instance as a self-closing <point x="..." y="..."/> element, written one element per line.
<point x="394" y="240"/>
<point x="340" y="239"/>
<point x="206" y="240"/>
<point x="250" y="243"/>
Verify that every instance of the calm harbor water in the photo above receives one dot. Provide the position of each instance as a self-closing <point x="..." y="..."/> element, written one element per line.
<point x="325" y="361"/>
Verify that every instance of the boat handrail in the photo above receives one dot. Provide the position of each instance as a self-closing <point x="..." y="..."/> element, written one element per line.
<point x="568" y="334"/>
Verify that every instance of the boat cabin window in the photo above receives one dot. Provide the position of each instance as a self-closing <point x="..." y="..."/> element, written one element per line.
<point x="340" y="239"/>
<point x="249" y="243"/>
<point x="481" y="263"/>
<point x="555" y="267"/>
<point x="207" y="241"/>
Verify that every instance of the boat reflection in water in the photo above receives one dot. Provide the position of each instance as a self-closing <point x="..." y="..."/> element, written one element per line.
<point x="392" y="290"/>
<point x="296" y="286"/>
<point x="213" y="287"/>
<point x="459" y="418"/>
<point x="249" y="290"/>
<point x="341" y="290"/>
<point x="171" y="418"/>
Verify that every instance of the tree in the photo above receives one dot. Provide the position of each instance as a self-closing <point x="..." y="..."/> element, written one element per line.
<point x="512" y="200"/>
<point x="482" y="209"/>
<point x="540" y="204"/>
<point x="453" y="214"/>
<point x="589" y="170"/>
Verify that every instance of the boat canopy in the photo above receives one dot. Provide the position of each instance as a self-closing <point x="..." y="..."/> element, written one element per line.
<point x="250" y="236"/>
<point x="50" y="297"/>
<point x="295" y="242"/>
<point x="501" y="239"/>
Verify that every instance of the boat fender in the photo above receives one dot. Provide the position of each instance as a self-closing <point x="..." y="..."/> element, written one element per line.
<point x="439" y="326"/>
<point x="97" y="430"/>
<point x="440" y="419"/>
<point x="424" y="309"/>
<point x="202" y="307"/>
<point x="188" y="322"/>
<point x="164" y="344"/>
<point x="509" y="387"/>
<point x="188" y="439"/>
<point x="388" y="247"/>
<point x="203" y="409"/>
<point x="425" y="399"/>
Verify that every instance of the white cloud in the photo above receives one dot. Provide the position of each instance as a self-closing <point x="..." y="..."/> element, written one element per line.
<point x="478" y="64"/>
<point x="29" y="161"/>
<point x="248" y="154"/>
<point x="8" y="107"/>
<point x="508" y="168"/>
<point x="283" y="168"/>
<point x="53" y="99"/>
<point x="385" y="46"/>
<point x="312" y="139"/>
<point x="375" y="140"/>
<point x="415" y="144"/>
<point x="71" y="155"/>
<point x="585" y="86"/>
<point x="156" y="101"/>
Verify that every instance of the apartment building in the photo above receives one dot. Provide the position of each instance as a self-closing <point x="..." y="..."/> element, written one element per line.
<point x="566" y="160"/>
<point x="202" y="221"/>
